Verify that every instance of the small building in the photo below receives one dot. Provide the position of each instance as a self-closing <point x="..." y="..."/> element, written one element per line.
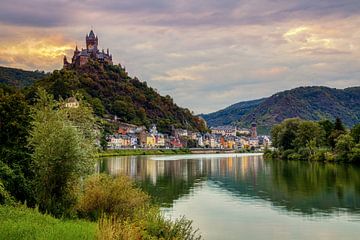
<point x="72" y="102"/>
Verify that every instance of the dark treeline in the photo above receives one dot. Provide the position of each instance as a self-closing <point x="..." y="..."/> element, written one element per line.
<point x="296" y="139"/>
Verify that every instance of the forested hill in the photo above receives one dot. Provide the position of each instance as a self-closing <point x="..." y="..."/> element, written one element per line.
<point x="231" y="114"/>
<point x="111" y="91"/>
<point x="310" y="103"/>
<point x="19" y="78"/>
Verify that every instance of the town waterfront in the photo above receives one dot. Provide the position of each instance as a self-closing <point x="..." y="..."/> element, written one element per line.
<point x="242" y="196"/>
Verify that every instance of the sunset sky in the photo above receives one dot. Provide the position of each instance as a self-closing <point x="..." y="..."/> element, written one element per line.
<point x="206" y="54"/>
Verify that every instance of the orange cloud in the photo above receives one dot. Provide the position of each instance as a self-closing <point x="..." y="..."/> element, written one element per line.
<point x="43" y="54"/>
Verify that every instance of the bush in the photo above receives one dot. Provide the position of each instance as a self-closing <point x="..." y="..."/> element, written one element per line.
<point x="148" y="225"/>
<point x="104" y="194"/>
<point x="319" y="155"/>
<point x="295" y="156"/>
<point x="286" y="153"/>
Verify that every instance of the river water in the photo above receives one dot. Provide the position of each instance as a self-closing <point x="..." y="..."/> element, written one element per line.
<point x="237" y="196"/>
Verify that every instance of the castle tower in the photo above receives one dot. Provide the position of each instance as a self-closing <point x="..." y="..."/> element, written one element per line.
<point x="253" y="129"/>
<point x="92" y="41"/>
<point x="66" y="63"/>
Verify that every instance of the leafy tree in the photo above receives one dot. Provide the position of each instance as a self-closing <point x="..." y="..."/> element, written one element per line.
<point x="328" y="127"/>
<point x="308" y="131"/>
<point x="284" y="134"/>
<point x="344" y="145"/>
<point x="355" y="133"/>
<point x="15" y="161"/>
<point x="63" y="147"/>
<point x="338" y="125"/>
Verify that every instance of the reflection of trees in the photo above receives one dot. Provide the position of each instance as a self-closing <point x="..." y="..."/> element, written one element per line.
<point x="310" y="187"/>
<point x="296" y="186"/>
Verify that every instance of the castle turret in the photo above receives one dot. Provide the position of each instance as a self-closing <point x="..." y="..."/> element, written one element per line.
<point x="66" y="63"/>
<point x="91" y="41"/>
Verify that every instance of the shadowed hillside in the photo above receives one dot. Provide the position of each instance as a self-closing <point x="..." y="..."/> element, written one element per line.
<point x="310" y="103"/>
<point x="19" y="78"/>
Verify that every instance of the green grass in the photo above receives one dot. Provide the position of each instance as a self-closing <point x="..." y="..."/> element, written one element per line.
<point x="26" y="223"/>
<point x="132" y="152"/>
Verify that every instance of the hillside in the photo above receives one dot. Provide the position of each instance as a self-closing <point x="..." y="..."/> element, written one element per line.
<point x="310" y="103"/>
<point x="19" y="78"/>
<point x="232" y="113"/>
<point x="111" y="91"/>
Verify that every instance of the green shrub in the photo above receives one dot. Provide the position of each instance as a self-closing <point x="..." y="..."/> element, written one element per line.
<point x="104" y="194"/>
<point x="329" y="156"/>
<point x="285" y="154"/>
<point x="320" y="155"/>
<point x="5" y="197"/>
<point x="147" y="224"/>
<point x="295" y="156"/>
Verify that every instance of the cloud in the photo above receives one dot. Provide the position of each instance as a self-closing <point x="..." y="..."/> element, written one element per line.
<point x="207" y="54"/>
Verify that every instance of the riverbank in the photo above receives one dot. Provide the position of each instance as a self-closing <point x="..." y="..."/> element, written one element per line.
<point x="26" y="223"/>
<point x="136" y="152"/>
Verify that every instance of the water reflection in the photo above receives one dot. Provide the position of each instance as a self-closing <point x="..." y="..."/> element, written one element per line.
<point x="296" y="187"/>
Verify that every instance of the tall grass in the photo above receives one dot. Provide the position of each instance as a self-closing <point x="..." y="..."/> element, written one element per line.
<point x="25" y="223"/>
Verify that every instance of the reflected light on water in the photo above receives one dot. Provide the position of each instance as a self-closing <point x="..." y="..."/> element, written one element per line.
<point x="249" y="196"/>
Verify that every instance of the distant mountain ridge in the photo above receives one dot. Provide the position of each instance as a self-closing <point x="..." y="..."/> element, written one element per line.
<point x="310" y="103"/>
<point x="18" y="77"/>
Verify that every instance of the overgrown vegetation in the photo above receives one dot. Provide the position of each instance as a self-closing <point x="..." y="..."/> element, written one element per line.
<point x="19" y="78"/>
<point x="296" y="139"/>
<point x="46" y="160"/>
<point x="110" y="90"/>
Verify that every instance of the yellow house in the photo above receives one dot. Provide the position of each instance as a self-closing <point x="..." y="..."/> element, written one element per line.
<point x="150" y="141"/>
<point x="230" y="144"/>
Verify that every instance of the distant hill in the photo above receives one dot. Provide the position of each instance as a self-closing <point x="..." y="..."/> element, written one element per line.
<point x="232" y="113"/>
<point x="110" y="91"/>
<point x="19" y="78"/>
<point x="310" y="103"/>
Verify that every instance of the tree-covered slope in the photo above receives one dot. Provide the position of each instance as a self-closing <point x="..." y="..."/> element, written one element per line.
<point x="232" y="113"/>
<point x="19" y="78"/>
<point x="310" y="103"/>
<point x="110" y="90"/>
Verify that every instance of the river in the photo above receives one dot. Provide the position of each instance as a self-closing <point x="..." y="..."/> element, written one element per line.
<point x="237" y="196"/>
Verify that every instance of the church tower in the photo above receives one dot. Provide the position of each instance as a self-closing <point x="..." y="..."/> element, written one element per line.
<point x="92" y="42"/>
<point x="253" y="129"/>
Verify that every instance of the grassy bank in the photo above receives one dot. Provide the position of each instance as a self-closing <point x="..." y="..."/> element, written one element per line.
<point x="26" y="223"/>
<point x="133" y="152"/>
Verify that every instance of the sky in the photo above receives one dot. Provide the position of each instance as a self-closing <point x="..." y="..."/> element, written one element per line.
<point x="206" y="54"/>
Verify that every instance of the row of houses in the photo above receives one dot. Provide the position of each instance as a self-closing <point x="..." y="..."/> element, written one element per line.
<point x="131" y="136"/>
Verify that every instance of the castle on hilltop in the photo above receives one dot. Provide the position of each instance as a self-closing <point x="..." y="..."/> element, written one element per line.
<point x="91" y="52"/>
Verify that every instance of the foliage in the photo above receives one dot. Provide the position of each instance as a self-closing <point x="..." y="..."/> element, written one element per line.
<point x="297" y="139"/>
<point x="15" y="161"/>
<point x="26" y="223"/>
<point x="344" y="144"/>
<point x="19" y="78"/>
<point x="309" y="103"/>
<point x="5" y="197"/>
<point x="63" y="143"/>
<point x="110" y="91"/>
<point x="117" y="197"/>
<point x="147" y="225"/>
<point x="355" y="133"/>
